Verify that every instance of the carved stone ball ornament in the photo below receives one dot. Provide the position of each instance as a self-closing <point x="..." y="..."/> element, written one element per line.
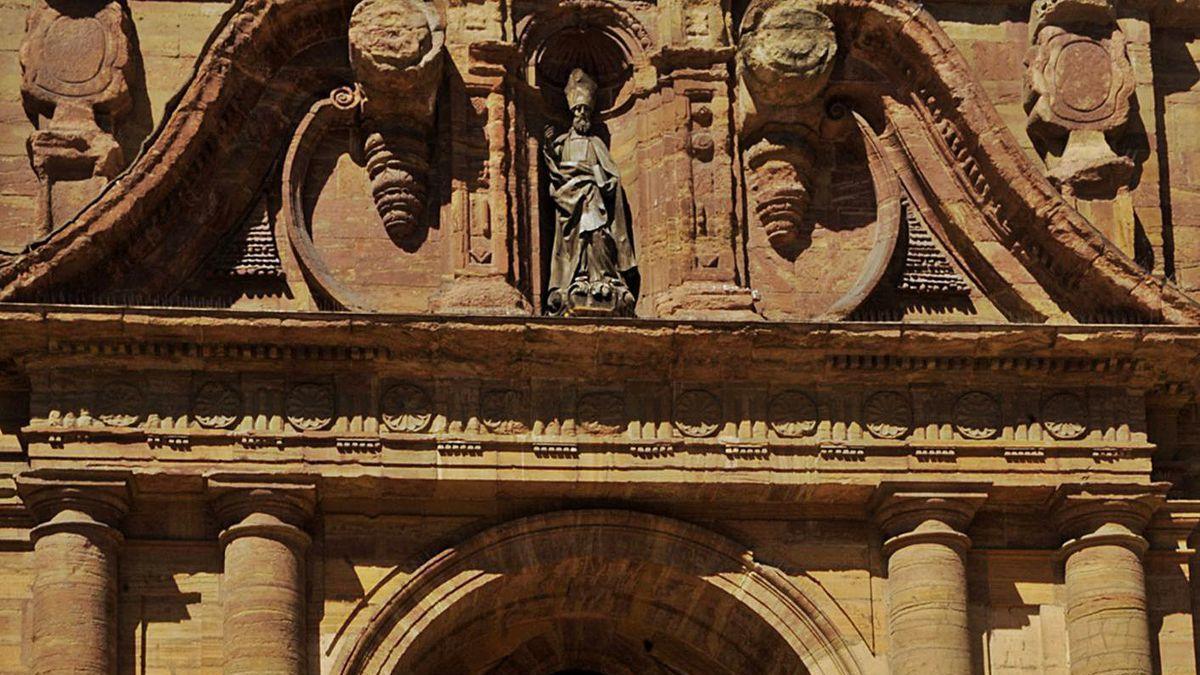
<point x="786" y="51"/>
<point x="396" y="49"/>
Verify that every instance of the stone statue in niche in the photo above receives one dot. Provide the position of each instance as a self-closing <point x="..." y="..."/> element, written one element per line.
<point x="593" y="254"/>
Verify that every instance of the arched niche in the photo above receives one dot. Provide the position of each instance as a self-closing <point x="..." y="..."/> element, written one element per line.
<point x="613" y="46"/>
<point x="607" y="591"/>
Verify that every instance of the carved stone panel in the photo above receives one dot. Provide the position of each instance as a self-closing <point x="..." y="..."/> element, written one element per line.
<point x="1079" y="89"/>
<point x="75" y="60"/>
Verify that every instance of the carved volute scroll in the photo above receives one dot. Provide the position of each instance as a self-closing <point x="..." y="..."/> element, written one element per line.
<point x="75" y="61"/>
<point x="1079" y="87"/>
<point x="396" y="50"/>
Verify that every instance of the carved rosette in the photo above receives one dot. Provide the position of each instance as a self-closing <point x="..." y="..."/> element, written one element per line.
<point x="601" y="413"/>
<point x="119" y="405"/>
<point x="504" y="411"/>
<point x="396" y="50"/>
<point x="310" y="407"/>
<point x="216" y="405"/>
<point x="406" y="408"/>
<point x="792" y="414"/>
<point x="888" y="415"/>
<point x="697" y="413"/>
<point x="1064" y="416"/>
<point x="1079" y="90"/>
<point x="977" y="416"/>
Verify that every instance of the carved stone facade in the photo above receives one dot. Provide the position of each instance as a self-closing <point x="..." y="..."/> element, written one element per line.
<point x="902" y="378"/>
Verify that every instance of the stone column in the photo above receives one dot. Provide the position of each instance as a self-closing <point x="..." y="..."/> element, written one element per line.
<point x="1106" y="587"/>
<point x="927" y="579"/>
<point x="76" y="548"/>
<point x="263" y="588"/>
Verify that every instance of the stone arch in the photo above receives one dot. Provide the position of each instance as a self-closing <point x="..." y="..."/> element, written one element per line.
<point x="609" y="591"/>
<point x="607" y="39"/>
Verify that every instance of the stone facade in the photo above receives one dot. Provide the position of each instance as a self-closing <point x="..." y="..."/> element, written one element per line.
<point x="911" y="384"/>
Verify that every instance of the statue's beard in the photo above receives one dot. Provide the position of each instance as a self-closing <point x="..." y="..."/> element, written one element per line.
<point x="581" y="126"/>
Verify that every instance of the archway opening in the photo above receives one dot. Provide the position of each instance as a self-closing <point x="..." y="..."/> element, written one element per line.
<point x="604" y="592"/>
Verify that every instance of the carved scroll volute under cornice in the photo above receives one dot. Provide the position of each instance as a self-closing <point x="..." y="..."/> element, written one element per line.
<point x="786" y="53"/>
<point x="396" y="50"/>
<point x="1079" y="88"/>
<point x="75" y="66"/>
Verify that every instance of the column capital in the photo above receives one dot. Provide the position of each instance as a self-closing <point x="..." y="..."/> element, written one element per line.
<point x="278" y="510"/>
<point x="910" y="514"/>
<point x="1114" y="514"/>
<point x="75" y="501"/>
<point x="1080" y="509"/>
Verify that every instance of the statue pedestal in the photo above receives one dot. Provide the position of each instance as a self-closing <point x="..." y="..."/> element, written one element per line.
<point x="593" y="299"/>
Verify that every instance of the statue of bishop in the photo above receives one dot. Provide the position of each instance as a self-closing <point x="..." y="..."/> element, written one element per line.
<point x="592" y="257"/>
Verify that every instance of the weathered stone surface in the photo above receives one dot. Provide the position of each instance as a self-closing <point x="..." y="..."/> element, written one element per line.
<point x="902" y="382"/>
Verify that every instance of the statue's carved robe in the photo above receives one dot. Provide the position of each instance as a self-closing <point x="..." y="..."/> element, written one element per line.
<point x="591" y="235"/>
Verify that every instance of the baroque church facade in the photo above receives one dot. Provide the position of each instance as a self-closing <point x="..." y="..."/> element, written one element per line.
<point x="829" y="337"/>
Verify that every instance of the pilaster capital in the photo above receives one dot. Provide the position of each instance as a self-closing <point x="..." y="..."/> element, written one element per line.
<point x="916" y="513"/>
<point x="248" y="507"/>
<point x="85" y="503"/>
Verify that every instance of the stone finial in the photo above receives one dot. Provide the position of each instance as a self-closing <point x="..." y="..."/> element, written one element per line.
<point x="786" y="52"/>
<point x="1079" y="90"/>
<point x="74" y="73"/>
<point x="396" y="50"/>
